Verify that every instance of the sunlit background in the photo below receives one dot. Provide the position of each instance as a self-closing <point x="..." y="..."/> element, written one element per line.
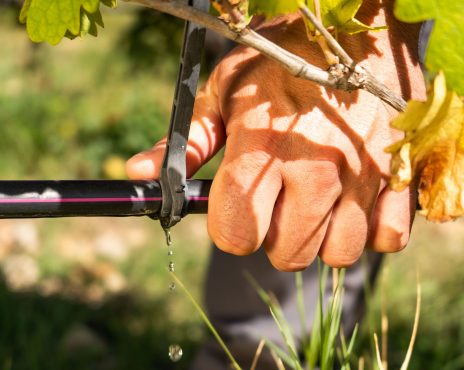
<point x="94" y="294"/>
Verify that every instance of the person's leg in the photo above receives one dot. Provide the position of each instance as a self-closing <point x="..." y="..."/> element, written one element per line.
<point x="243" y="319"/>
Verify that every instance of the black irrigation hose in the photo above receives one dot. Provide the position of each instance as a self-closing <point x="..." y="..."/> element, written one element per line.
<point x="87" y="198"/>
<point x="70" y="198"/>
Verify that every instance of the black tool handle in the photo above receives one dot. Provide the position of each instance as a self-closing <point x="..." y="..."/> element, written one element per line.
<point x="69" y="198"/>
<point x="173" y="178"/>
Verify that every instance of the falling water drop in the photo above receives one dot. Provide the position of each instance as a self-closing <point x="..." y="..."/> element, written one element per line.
<point x="175" y="352"/>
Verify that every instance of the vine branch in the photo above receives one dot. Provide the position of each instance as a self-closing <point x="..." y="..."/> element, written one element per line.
<point x="331" y="41"/>
<point x="368" y="82"/>
<point x="339" y="76"/>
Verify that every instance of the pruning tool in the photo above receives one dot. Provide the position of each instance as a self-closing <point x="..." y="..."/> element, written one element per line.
<point x="173" y="179"/>
<point x="168" y="199"/>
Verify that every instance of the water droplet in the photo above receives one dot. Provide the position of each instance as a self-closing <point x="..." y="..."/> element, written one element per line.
<point x="171" y="266"/>
<point x="170" y="252"/>
<point x="167" y="233"/>
<point x="172" y="286"/>
<point x="175" y="352"/>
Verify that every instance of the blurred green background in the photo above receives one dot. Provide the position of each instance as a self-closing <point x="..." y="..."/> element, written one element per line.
<point x="76" y="294"/>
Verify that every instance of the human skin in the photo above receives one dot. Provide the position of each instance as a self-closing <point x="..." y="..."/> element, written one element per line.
<point x="304" y="170"/>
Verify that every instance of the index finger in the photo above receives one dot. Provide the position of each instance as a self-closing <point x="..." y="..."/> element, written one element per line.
<point x="206" y="137"/>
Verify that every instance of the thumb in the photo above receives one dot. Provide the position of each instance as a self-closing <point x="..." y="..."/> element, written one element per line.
<point x="206" y="137"/>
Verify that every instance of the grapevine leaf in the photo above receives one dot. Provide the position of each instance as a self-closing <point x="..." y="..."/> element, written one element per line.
<point x="89" y="22"/>
<point x="445" y="51"/>
<point x="110" y="3"/>
<point x="24" y="11"/>
<point x="51" y="20"/>
<point x="273" y="8"/>
<point x="433" y="152"/>
<point x="353" y="26"/>
<point x="339" y="14"/>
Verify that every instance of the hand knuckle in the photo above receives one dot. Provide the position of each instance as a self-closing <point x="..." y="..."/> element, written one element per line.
<point x="288" y="266"/>
<point x="290" y="263"/>
<point x="328" y="177"/>
<point x="392" y="241"/>
<point x="341" y="260"/>
<point x="233" y="242"/>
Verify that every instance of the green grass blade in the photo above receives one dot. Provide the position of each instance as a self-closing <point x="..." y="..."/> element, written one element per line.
<point x="343" y="342"/>
<point x="352" y="341"/>
<point x="312" y="351"/>
<point x="288" y="342"/>
<point x="261" y="292"/>
<point x="377" y="353"/>
<point x="371" y="319"/>
<point x="346" y="352"/>
<point x="334" y="327"/>
<point x="326" y="349"/>
<point x="276" y="311"/>
<point x="331" y="325"/>
<point x="405" y="364"/>
<point x="345" y="365"/>
<point x="207" y="322"/>
<point x="300" y="304"/>
<point x="285" y="357"/>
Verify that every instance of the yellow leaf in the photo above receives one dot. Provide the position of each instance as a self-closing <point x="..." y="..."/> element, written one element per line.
<point x="432" y="152"/>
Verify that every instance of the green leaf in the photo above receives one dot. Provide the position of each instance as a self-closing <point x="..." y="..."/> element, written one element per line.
<point x="354" y="26"/>
<point x="110" y="3"/>
<point x="51" y="20"/>
<point x="339" y="14"/>
<point x="24" y="11"/>
<point x="273" y="8"/>
<point x="446" y="46"/>
<point x="89" y="22"/>
<point x="416" y="10"/>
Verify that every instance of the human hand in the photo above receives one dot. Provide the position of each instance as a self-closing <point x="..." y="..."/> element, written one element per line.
<point x="304" y="170"/>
